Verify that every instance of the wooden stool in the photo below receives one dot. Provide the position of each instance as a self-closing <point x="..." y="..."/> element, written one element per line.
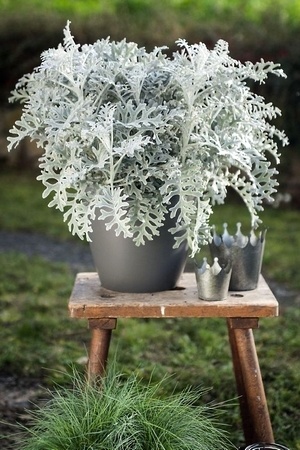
<point x="242" y="310"/>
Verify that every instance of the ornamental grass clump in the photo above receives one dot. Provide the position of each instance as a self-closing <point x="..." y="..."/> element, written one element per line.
<point x="126" y="133"/>
<point x="123" y="415"/>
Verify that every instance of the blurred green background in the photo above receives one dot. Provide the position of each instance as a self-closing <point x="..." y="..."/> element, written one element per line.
<point x="254" y="29"/>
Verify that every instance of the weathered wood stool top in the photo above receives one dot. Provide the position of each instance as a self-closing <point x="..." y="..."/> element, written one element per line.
<point x="90" y="300"/>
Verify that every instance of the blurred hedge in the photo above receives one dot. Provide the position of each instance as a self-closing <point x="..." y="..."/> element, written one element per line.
<point x="272" y="33"/>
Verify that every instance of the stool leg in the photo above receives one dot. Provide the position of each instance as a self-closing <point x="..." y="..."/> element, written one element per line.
<point x="99" y="346"/>
<point x="246" y="419"/>
<point x="254" y="410"/>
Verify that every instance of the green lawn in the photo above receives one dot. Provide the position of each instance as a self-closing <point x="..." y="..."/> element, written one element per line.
<point x="21" y="194"/>
<point x="39" y="339"/>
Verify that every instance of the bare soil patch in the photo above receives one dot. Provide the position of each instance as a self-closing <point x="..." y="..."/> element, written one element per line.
<point x="17" y="397"/>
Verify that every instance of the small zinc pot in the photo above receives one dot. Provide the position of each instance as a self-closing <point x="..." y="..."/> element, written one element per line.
<point x="213" y="281"/>
<point x="124" y="267"/>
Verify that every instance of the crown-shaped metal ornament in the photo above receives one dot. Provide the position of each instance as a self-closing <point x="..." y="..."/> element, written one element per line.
<point x="213" y="281"/>
<point x="245" y="254"/>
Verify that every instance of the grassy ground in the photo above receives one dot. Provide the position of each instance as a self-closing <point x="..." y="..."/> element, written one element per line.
<point x="21" y="193"/>
<point x="38" y="338"/>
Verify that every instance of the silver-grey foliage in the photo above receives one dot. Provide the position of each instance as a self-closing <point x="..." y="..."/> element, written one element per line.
<point x="124" y="131"/>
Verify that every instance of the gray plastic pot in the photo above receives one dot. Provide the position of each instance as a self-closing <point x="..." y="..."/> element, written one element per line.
<point x="124" y="267"/>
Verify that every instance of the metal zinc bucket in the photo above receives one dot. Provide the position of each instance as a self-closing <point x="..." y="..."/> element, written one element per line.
<point x="264" y="446"/>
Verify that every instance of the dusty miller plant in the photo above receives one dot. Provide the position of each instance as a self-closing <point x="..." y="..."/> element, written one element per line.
<point x="126" y="132"/>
